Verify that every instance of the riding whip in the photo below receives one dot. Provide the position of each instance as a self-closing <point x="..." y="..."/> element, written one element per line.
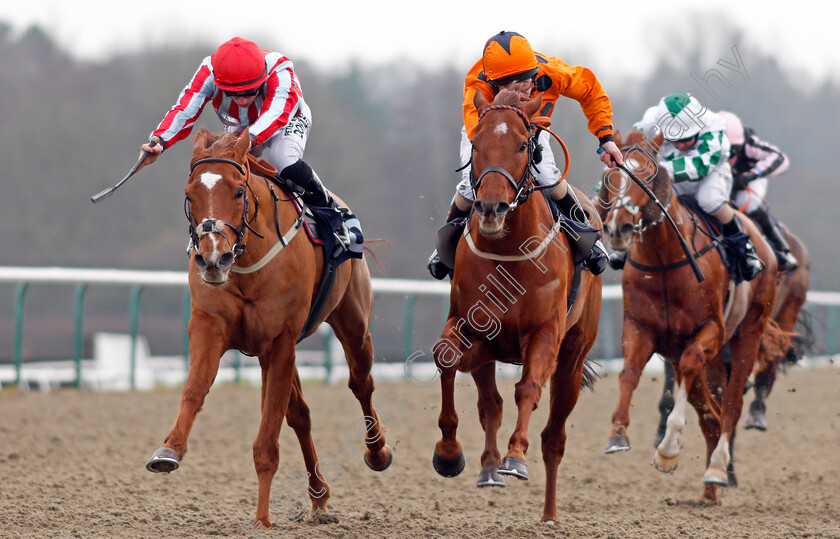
<point x="683" y="243"/>
<point x="108" y="192"/>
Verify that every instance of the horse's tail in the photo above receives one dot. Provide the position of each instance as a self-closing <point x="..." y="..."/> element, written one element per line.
<point x="774" y="346"/>
<point x="590" y="374"/>
<point x="381" y="244"/>
<point x="804" y="340"/>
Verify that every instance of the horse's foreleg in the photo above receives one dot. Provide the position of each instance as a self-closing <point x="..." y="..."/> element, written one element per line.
<point x="744" y="345"/>
<point x="666" y="402"/>
<point x="691" y="369"/>
<point x="206" y="349"/>
<point x="448" y="459"/>
<point x="539" y="363"/>
<point x="279" y="367"/>
<point x="637" y="347"/>
<point x="565" y="389"/>
<point x="490" y="417"/>
<point x="297" y="416"/>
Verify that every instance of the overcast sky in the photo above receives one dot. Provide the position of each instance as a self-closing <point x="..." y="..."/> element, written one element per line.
<point x="616" y="39"/>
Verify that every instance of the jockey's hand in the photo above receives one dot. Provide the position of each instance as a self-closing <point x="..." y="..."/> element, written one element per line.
<point x="153" y="151"/>
<point x="610" y="154"/>
<point x="523" y="88"/>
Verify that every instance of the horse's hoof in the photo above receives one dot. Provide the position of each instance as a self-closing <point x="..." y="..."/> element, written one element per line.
<point x="383" y="467"/>
<point x="756" y="421"/>
<point x="164" y="460"/>
<point x="716" y="476"/>
<point x="665" y="464"/>
<point x="515" y="467"/>
<point x="616" y="444"/>
<point x="489" y="477"/>
<point x="449" y="467"/>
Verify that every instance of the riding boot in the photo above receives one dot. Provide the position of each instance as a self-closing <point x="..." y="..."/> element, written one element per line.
<point x="748" y="261"/>
<point x="437" y="268"/>
<point x="315" y="194"/>
<point x="773" y="233"/>
<point x="596" y="260"/>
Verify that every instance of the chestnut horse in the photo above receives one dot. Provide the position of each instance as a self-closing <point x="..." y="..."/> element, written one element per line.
<point x="508" y="302"/>
<point x="791" y="290"/>
<point x="243" y="299"/>
<point x="666" y="311"/>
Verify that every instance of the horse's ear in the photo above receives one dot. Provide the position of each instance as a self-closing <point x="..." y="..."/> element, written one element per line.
<point x="617" y="138"/>
<point x="243" y="144"/>
<point x="531" y="107"/>
<point x="200" y="140"/>
<point x="479" y="101"/>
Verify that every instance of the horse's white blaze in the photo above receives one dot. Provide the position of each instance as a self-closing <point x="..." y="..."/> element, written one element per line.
<point x="670" y="445"/>
<point x="214" y="256"/>
<point x="501" y="129"/>
<point x="209" y="179"/>
<point x="720" y="456"/>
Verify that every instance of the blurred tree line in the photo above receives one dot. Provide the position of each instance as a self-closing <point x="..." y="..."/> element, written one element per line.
<point x="384" y="138"/>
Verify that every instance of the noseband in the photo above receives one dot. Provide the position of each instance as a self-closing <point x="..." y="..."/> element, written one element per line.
<point x="217" y="226"/>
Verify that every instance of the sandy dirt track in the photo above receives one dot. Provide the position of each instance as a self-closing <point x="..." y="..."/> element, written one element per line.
<point x="72" y="465"/>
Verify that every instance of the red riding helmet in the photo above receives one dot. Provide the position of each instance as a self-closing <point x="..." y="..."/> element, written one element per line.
<point x="239" y="65"/>
<point x="508" y="57"/>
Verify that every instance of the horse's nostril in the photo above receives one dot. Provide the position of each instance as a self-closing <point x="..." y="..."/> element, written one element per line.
<point x="200" y="262"/>
<point x="226" y="260"/>
<point x="626" y="229"/>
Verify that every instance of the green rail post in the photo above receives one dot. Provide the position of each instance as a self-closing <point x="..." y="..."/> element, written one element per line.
<point x="328" y="356"/>
<point x="20" y="297"/>
<point x="237" y="366"/>
<point x="833" y="346"/>
<point x="134" y="310"/>
<point x="186" y="343"/>
<point x="79" y="334"/>
<point x="408" y="339"/>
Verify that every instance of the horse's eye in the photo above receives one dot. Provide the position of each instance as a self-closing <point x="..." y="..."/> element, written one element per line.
<point x="523" y="147"/>
<point x="240" y="193"/>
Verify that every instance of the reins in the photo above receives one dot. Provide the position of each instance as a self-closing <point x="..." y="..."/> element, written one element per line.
<point x="209" y="226"/>
<point x="521" y="188"/>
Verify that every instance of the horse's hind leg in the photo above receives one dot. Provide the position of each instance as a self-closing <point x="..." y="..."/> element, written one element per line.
<point x="297" y="416"/>
<point x="490" y="417"/>
<point x="350" y="321"/>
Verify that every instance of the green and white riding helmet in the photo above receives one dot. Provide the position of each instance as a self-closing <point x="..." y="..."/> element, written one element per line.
<point x="681" y="116"/>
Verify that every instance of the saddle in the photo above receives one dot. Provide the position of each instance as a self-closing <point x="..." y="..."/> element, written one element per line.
<point x="320" y="224"/>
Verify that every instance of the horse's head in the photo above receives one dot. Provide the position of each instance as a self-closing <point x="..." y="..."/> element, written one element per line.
<point x="502" y="149"/>
<point x="217" y="202"/>
<point x="628" y="208"/>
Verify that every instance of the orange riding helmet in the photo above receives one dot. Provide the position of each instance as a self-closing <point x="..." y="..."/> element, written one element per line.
<point x="508" y="57"/>
<point x="239" y="65"/>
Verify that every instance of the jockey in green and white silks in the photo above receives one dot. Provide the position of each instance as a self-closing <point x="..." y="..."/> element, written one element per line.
<point x="703" y="169"/>
<point x="695" y="153"/>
